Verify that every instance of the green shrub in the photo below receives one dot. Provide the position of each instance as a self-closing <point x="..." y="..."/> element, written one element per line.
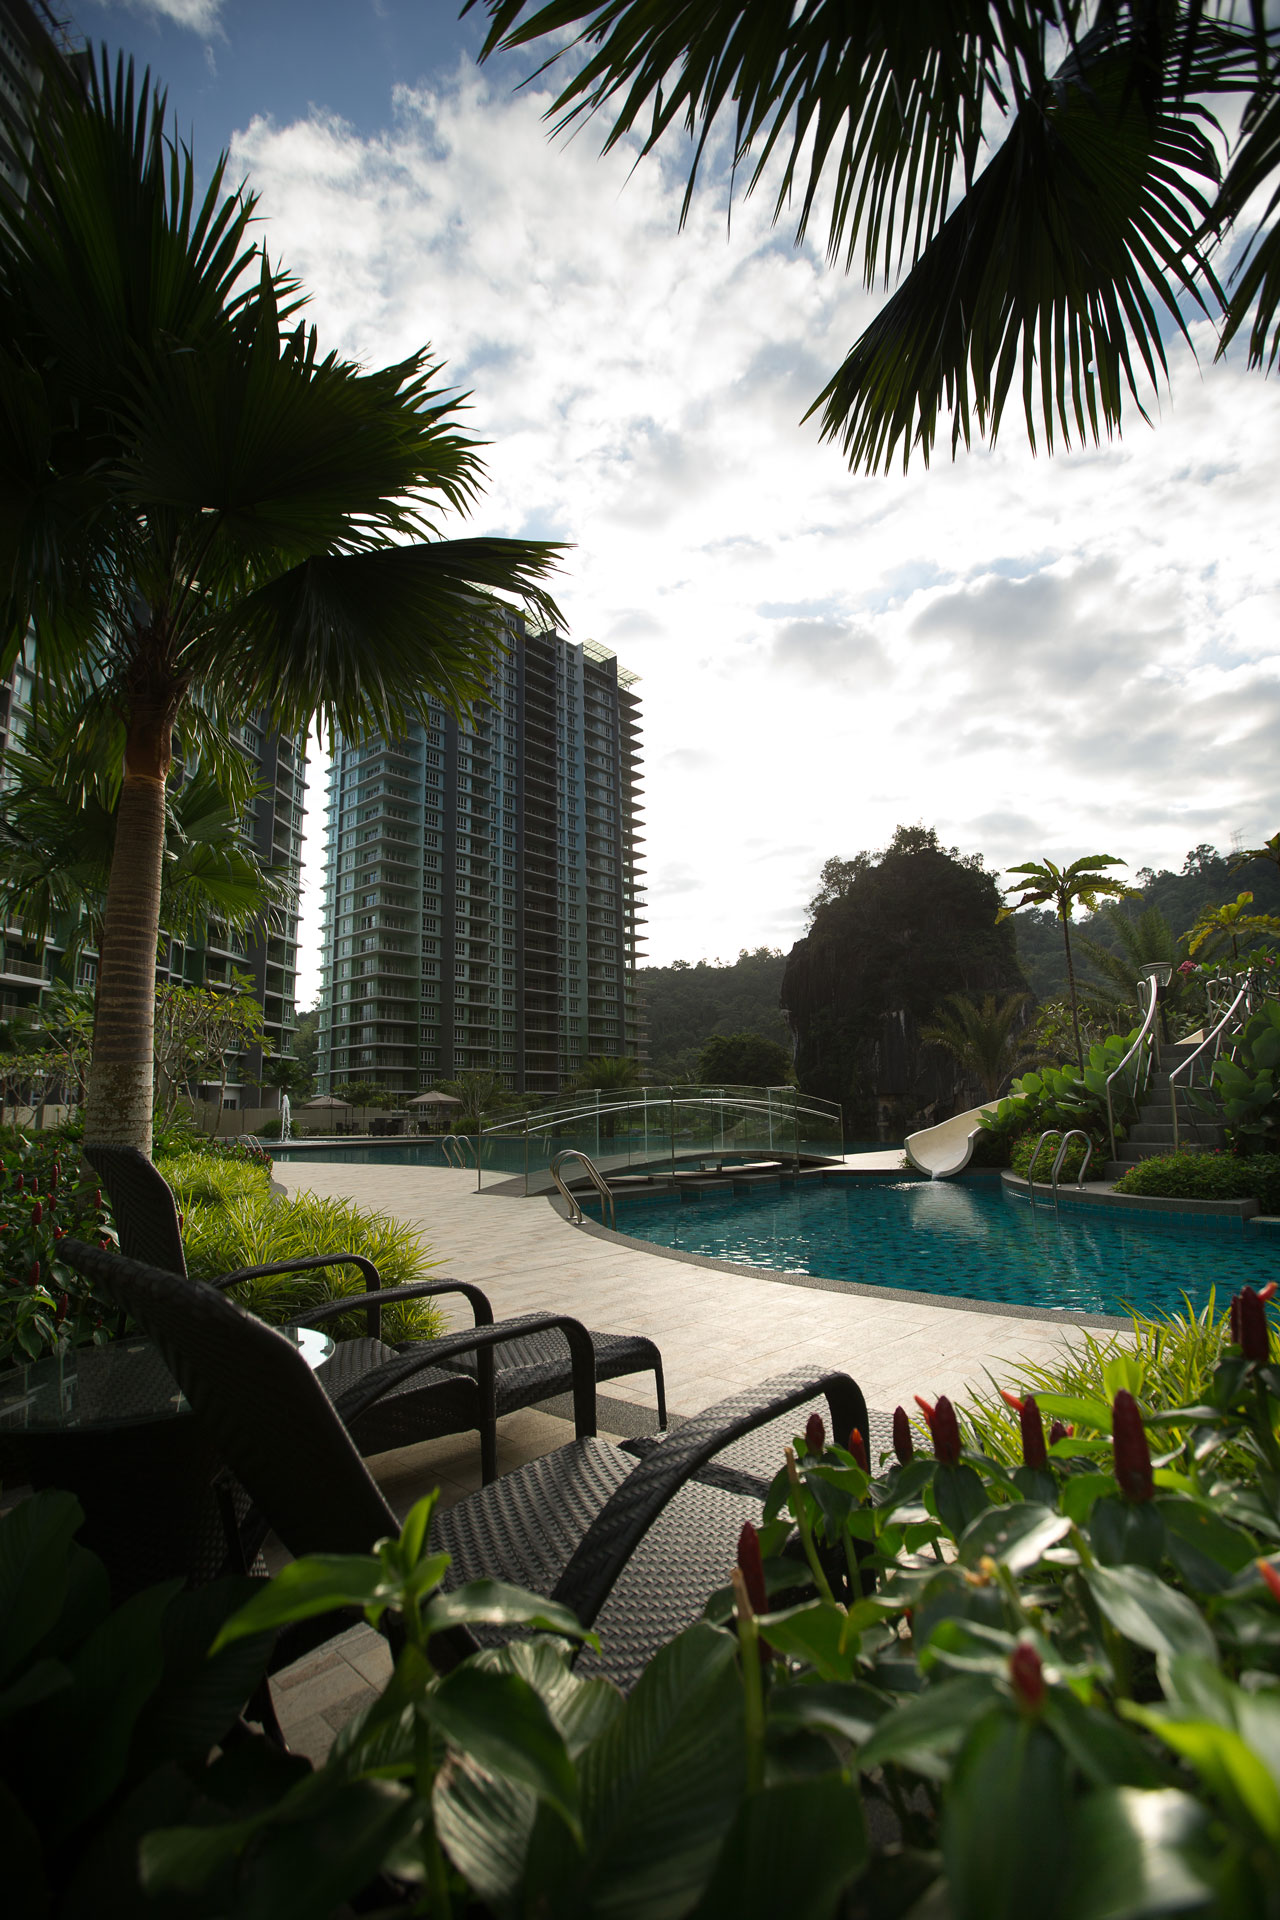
<point x="1065" y="1097"/>
<point x="1025" y="1145"/>
<point x="1208" y="1176"/>
<point x="254" y="1229"/>
<point x="203" y="1180"/>
<point x="1168" y="1360"/>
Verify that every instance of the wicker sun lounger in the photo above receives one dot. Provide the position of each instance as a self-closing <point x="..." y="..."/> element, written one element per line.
<point x="462" y="1389"/>
<point x="634" y="1549"/>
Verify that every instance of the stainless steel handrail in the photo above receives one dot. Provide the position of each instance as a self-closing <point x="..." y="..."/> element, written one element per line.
<point x="1050" y="1133"/>
<point x="1213" y="1039"/>
<point x="576" y="1215"/>
<point x="1144" y="1036"/>
<point x="1076" y="1133"/>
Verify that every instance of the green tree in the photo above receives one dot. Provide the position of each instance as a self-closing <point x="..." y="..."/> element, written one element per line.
<point x="196" y="497"/>
<point x="290" y="1075"/>
<point x="1043" y="170"/>
<point x="362" y="1094"/>
<point x="985" y="1036"/>
<point x="1219" y="927"/>
<point x="58" y="832"/>
<point x="609" y="1073"/>
<point x="743" y="1060"/>
<point x="1139" y="942"/>
<point x="479" y="1093"/>
<point x="1082" y="884"/>
<point x="199" y="1032"/>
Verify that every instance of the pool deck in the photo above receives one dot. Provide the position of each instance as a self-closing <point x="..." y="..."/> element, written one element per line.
<point x="719" y="1329"/>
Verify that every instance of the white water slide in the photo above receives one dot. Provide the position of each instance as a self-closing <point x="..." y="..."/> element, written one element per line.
<point x="946" y="1149"/>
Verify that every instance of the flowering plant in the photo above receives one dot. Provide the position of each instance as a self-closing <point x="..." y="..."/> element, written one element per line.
<point x="43" y="1301"/>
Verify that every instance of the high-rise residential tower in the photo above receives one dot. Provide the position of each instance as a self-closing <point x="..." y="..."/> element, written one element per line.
<point x="481" y="903"/>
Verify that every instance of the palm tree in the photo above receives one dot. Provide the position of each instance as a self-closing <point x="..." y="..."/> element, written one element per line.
<point x="196" y="498"/>
<point x="58" y="833"/>
<point x="983" y="1037"/>
<point x="1144" y="940"/>
<point x="477" y="1093"/>
<point x="1055" y="267"/>
<point x="1083" y="884"/>
<point x="608" y="1073"/>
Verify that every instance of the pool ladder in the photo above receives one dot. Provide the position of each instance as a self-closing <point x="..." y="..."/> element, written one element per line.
<point x="608" y="1212"/>
<point x="454" y="1143"/>
<point x="1064" y="1140"/>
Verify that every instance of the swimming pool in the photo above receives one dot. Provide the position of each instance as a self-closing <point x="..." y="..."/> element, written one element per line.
<point x="965" y="1240"/>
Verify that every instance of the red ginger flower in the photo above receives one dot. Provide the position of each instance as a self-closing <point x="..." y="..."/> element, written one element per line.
<point x="815" y="1434"/>
<point x="1011" y="1399"/>
<point x="1033" y="1449"/>
<point x="752" y="1566"/>
<point x="1026" y="1671"/>
<point x="1272" y="1577"/>
<point x="944" y="1429"/>
<point x="1132" y="1454"/>
<point x="1249" y="1325"/>
<point x="858" y="1448"/>
<point x="1060" y="1431"/>
<point x="1268" y="1292"/>
<point x="33" y="1274"/>
<point x="903" y="1445"/>
<point x="37" y="1214"/>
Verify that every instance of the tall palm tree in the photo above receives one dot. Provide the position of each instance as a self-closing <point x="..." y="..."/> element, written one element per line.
<point x="1088" y="229"/>
<point x="1082" y="884"/>
<point x="608" y="1073"/>
<point x="192" y="496"/>
<point x="983" y="1036"/>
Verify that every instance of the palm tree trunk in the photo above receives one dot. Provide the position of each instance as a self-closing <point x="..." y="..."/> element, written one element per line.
<point x="118" y="1106"/>
<point x="1071" y="991"/>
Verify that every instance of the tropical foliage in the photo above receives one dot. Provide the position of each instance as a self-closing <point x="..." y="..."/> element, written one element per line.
<point x="197" y="497"/>
<point x="1220" y="928"/>
<point x="1082" y="884"/>
<point x="1006" y="1658"/>
<point x="743" y="1060"/>
<point x="608" y="1073"/>
<point x="57" y="835"/>
<point x="987" y="1038"/>
<point x="1207" y="1176"/>
<point x="1043" y="175"/>
<point x="1246" y="1085"/>
<point x="1068" y="1097"/>
<point x="199" y="1031"/>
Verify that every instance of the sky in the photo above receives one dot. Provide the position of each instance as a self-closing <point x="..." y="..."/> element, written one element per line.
<point x="1037" y="656"/>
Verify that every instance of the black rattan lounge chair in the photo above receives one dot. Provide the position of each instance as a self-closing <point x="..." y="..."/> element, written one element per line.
<point x="463" y="1388"/>
<point x="635" y="1550"/>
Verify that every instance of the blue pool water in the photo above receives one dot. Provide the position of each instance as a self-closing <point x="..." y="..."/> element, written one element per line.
<point x="967" y="1240"/>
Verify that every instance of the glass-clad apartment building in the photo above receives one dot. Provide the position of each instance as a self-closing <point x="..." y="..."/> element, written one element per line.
<point x="482" y="883"/>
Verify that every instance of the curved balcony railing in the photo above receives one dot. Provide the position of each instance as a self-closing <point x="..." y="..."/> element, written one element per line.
<point x="659" y="1129"/>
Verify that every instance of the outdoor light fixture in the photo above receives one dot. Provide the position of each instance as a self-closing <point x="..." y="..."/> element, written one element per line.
<point x="1161" y="971"/>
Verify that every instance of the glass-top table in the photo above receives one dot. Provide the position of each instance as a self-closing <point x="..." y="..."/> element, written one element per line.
<point x="118" y="1385"/>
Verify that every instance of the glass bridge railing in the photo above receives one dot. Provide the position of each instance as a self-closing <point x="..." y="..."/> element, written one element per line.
<point x="656" y="1129"/>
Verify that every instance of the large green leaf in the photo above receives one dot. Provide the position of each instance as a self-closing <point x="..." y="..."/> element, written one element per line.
<point x="922" y="1732"/>
<point x="1131" y="1854"/>
<point x="581" y="1708"/>
<point x="316" y="1584"/>
<point x="483" y="1822"/>
<point x="503" y="1724"/>
<point x="1002" y="1829"/>
<point x="35" y="1544"/>
<point x="1151" y="1614"/>
<point x="661" y="1786"/>
<point x="1017" y="1536"/>
<point x="793" y="1848"/>
<point x="493" y="1603"/>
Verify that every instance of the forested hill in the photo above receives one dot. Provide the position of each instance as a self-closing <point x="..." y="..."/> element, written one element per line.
<point x="1204" y="881"/>
<point x="687" y="1004"/>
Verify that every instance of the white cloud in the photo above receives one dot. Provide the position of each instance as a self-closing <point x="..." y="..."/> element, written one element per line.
<point x="1035" y="655"/>
<point x="201" y="16"/>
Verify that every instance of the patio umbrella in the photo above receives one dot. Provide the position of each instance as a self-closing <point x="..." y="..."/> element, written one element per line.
<point x="432" y="1099"/>
<point x="325" y="1100"/>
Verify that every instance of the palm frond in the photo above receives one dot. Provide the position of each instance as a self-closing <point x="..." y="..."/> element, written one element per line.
<point x="1256" y="281"/>
<point x="360" y="639"/>
<point x="1053" y="272"/>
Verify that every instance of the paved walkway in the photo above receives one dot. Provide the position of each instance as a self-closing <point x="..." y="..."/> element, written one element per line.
<point x="719" y="1331"/>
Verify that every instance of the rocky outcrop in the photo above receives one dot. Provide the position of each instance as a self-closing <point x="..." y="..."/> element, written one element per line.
<point x="906" y="930"/>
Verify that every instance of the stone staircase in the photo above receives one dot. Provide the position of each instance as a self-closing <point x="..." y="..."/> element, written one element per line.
<point x="1152" y="1132"/>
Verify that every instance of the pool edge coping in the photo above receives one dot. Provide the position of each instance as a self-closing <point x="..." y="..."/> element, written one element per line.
<point x="912" y="1296"/>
